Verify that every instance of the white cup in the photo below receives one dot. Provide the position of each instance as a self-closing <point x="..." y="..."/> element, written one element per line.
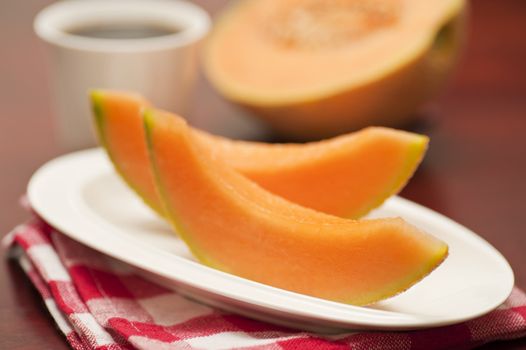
<point x="162" y="68"/>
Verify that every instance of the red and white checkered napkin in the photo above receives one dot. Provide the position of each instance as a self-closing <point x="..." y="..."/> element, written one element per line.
<point x="99" y="304"/>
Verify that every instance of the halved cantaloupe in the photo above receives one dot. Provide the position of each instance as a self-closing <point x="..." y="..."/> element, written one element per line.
<point x="346" y="176"/>
<point x="232" y="224"/>
<point x="317" y="68"/>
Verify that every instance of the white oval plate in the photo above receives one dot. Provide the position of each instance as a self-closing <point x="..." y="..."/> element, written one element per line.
<point x="81" y="195"/>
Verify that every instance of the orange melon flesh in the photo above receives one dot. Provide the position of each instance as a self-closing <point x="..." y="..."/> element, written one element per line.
<point x="232" y="224"/>
<point x="346" y="176"/>
<point x="276" y="52"/>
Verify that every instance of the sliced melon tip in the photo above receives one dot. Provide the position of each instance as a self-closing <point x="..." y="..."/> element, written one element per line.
<point x="420" y="144"/>
<point x="415" y="154"/>
<point x="148" y="120"/>
<point x="96" y="94"/>
<point x="417" y="149"/>
<point x="97" y="106"/>
<point x="97" y="101"/>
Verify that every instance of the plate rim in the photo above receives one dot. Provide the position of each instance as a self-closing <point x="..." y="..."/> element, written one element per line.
<point x="368" y="318"/>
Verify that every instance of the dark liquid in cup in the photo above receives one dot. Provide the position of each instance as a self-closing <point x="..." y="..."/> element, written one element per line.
<point x="123" y="31"/>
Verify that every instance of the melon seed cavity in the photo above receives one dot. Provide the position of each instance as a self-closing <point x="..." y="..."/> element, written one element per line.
<point x="319" y="24"/>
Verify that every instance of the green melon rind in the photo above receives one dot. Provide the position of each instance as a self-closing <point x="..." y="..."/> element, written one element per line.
<point x="97" y="98"/>
<point x="97" y="104"/>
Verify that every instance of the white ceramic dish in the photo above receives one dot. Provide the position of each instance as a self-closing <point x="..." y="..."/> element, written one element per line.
<point x="81" y="196"/>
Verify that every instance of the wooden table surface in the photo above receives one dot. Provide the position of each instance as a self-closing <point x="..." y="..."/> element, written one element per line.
<point x="474" y="172"/>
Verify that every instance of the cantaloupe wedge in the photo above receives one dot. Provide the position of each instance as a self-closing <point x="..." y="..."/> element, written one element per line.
<point x="346" y="176"/>
<point x="232" y="224"/>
